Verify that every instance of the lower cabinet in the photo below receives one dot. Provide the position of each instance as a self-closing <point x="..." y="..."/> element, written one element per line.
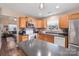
<point x="23" y="38"/>
<point x="60" y="41"/>
<point x="45" y="37"/>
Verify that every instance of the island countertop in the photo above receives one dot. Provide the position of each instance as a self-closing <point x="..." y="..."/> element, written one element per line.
<point x="42" y="48"/>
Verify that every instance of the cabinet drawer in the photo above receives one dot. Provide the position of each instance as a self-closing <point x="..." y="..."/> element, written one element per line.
<point x="24" y="37"/>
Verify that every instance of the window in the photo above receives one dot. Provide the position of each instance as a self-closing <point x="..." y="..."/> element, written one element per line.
<point x="52" y="23"/>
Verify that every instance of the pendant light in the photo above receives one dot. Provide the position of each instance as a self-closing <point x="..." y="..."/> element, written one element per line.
<point x="41" y="6"/>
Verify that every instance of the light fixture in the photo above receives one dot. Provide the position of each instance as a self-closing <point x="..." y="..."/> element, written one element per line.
<point x="57" y="6"/>
<point x="41" y="6"/>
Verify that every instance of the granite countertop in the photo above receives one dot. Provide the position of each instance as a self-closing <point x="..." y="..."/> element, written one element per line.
<point x="42" y="48"/>
<point x="55" y="34"/>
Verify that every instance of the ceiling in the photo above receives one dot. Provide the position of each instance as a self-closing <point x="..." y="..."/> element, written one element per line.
<point x="32" y="9"/>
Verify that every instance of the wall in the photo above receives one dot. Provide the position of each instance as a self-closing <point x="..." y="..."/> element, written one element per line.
<point x="5" y="20"/>
<point x="6" y="16"/>
<point x="0" y="11"/>
<point x="52" y="20"/>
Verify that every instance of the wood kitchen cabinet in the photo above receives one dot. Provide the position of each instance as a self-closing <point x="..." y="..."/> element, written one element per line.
<point x="73" y="16"/>
<point x="23" y="37"/>
<point x="50" y="38"/>
<point x="45" y="37"/>
<point x="22" y="22"/>
<point x="41" y="23"/>
<point x="45" y="23"/>
<point x="63" y="22"/>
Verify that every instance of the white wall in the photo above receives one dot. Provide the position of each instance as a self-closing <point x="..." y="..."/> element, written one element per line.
<point x="12" y="26"/>
<point x="52" y="21"/>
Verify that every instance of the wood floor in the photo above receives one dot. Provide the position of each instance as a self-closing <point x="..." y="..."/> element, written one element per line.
<point x="10" y="52"/>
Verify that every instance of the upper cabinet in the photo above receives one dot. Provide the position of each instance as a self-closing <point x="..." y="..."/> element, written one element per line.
<point x="22" y="22"/>
<point x="45" y="23"/>
<point x="63" y="21"/>
<point x="41" y="23"/>
<point x="38" y="23"/>
<point x="74" y="16"/>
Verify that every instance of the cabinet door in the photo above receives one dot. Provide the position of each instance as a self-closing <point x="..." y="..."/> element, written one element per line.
<point x="45" y="37"/>
<point x="63" y="22"/>
<point x="50" y="38"/>
<point x="73" y="16"/>
<point x="23" y="37"/>
<point x="41" y="36"/>
<point x="39" y="24"/>
<point x="22" y="22"/>
<point x="45" y="23"/>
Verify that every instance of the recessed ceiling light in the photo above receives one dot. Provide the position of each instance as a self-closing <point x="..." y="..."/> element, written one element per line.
<point x="57" y="6"/>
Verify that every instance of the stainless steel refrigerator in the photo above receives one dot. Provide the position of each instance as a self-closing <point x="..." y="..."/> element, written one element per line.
<point x="74" y="32"/>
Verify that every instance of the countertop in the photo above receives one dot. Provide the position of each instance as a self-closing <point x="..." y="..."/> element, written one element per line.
<point x="54" y="33"/>
<point x="42" y="48"/>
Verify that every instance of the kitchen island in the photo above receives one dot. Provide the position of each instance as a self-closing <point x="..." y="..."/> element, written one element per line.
<point x="42" y="48"/>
